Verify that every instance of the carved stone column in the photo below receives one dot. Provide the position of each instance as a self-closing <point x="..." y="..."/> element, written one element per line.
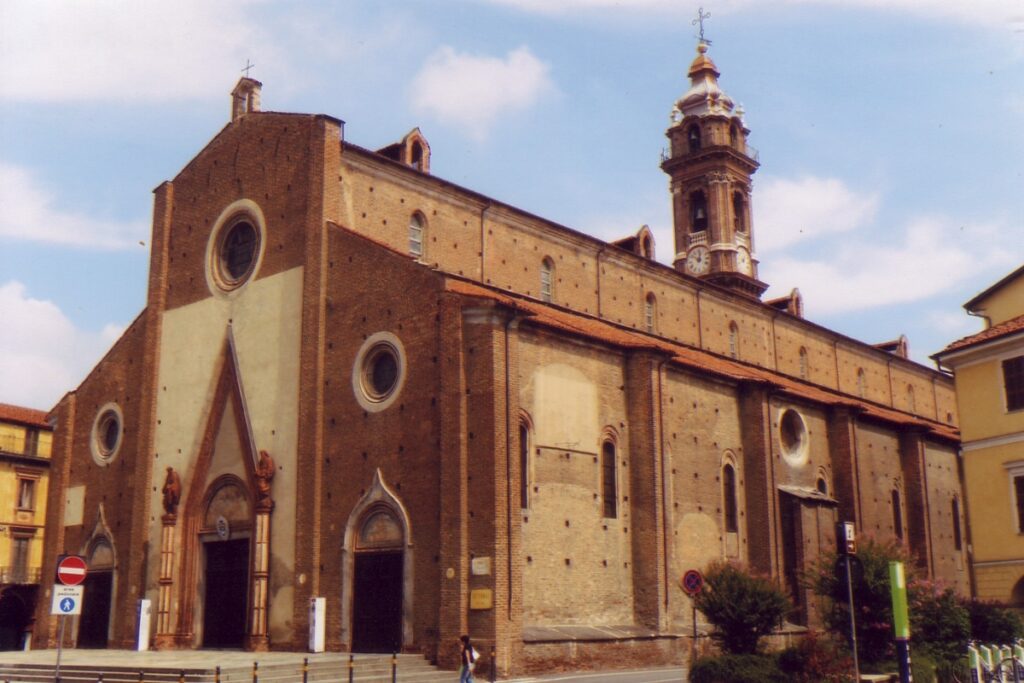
<point x="165" y="638"/>
<point x="259" y="639"/>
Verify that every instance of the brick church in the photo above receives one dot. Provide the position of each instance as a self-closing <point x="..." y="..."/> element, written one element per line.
<point x="443" y="414"/>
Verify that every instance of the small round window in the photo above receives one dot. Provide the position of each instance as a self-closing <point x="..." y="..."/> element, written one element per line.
<point x="379" y="371"/>
<point x="793" y="437"/>
<point x="236" y="253"/>
<point x="107" y="430"/>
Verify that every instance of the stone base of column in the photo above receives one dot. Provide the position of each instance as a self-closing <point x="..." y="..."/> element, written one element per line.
<point x="257" y="643"/>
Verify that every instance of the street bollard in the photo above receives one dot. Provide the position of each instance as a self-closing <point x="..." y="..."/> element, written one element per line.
<point x="181" y="676"/>
<point x="100" y="679"/>
<point x="216" y="675"/>
<point x="305" y="670"/>
<point x="494" y="666"/>
<point x="394" y="667"/>
<point x="255" y="675"/>
<point x="140" y="676"/>
<point x="351" y="667"/>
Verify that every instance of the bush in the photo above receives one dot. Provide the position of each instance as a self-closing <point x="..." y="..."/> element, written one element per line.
<point x="736" y="669"/>
<point x="992" y="622"/>
<point x="815" y="660"/>
<point x="940" y="625"/>
<point x="742" y="607"/>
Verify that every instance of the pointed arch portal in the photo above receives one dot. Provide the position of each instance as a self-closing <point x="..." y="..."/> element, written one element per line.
<point x="376" y="592"/>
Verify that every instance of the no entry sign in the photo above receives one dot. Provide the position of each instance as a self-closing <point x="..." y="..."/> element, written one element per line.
<point x="71" y="569"/>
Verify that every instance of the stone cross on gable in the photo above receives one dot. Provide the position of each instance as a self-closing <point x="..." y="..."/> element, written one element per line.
<point x="701" y="16"/>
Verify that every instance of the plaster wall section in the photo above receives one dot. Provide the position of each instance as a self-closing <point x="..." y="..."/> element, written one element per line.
<point x="577" y="561"/>
<point x="946" y="402"/>
<point x="403" y="440"/>
<point x="943" y="487"/>
<point x="878" y="473"/>
<point x="855" y="364"/>
<point x="1004" y="303"/>
<point x="264" y="323"/>
<point x="702" y="431"/>
<point x="993" y="513"/>
<point x="983" y="402"/>
<point x="622" y="293"/>
<point x="675" y="310"/>
<point x="912" y="393"/>
<point x="753" y="339"/>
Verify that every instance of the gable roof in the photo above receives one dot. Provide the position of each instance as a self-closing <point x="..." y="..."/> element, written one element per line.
<point x="1004" y="329"/>
<point x="974" y="303"/>
<point x="581" y="325"/>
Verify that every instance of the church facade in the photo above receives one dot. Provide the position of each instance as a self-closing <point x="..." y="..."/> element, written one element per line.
<point x="357" y="381"/>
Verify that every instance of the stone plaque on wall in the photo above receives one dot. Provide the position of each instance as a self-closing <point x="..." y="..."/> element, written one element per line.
<point x="481" y="566"/>
<point x="481" y="598"/>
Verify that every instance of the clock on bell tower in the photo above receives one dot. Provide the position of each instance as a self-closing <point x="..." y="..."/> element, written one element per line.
<point x="710" y="165"/>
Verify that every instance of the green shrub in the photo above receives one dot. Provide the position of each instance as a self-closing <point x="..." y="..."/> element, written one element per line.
<point x="992" y="622"/>
<point x="816" y="660"/>
<point x="741" y="606"/>
<point x="940" y="625"/>
<point x="952" y="672"/>
<point x="922" y="668"/>
<point x="731" y="668"/>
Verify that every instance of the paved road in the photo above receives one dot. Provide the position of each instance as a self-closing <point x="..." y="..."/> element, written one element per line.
<point x="655" y="675"/>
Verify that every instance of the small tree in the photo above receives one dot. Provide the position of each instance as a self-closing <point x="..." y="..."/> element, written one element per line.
<point x="992" y="622"/>
<point x="741" y="606"/>
<point x="939" y="623"/>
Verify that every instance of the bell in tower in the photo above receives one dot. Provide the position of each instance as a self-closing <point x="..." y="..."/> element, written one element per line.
<point x="710" y="165"/>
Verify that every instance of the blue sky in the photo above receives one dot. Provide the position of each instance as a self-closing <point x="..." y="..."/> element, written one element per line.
<point x="891" y="138"/>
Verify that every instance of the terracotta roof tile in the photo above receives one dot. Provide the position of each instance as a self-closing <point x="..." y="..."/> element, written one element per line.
<point x="599" y="330"/>
<point x="995" y="332"/>
<point x="22" y="415"/>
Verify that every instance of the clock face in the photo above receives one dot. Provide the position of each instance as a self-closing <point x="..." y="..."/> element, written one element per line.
<point x="698" y="261"/>
<point x="743" y="261"/>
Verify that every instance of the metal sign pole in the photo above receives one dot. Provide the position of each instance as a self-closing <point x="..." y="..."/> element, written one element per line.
<point x="60" y="645"/>
<point x="853" y="620"/>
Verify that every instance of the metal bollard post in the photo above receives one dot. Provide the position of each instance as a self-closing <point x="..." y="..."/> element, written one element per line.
<point x="351" y="667"/>
<point x="305" y="670"/>
<point x="216" y="675"/>
<point x="394" y="667"/>
<point x="255" y="675"/>
<point x="494" y="667"/>
<point x="140" y="676"/>
<point x="181" y="676"/>
<point x="100" y="679"/>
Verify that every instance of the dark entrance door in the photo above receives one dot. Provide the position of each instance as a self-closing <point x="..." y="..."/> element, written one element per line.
<point x="14" y="616"/>
<point x="377" y="598"/>
<point x="95" y="620"/>
<point x="227" y="593"/>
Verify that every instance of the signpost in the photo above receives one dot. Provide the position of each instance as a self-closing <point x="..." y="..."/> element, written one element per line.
<point x="846" y="536"/>
<point x="67" y="595"/>
<point x="692" y="582"/>
<point x="900" y="619"/>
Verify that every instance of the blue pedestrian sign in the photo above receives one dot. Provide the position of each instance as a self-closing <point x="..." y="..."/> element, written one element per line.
<point x="67" y="600"/>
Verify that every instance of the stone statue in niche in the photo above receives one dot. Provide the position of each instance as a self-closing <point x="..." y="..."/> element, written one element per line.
<point x="172" y="491"/>
<point x="264" y="475"/>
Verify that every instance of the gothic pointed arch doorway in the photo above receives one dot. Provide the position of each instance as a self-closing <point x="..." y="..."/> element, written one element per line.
<point x="377" y="573"/>
<point x="97" y="601"/>
<point x="224" y="533"/>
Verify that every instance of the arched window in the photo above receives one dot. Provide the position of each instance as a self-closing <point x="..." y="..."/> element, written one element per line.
<point x="524" y="464"/>
<point x="693" y="137"/>
<point x="547" y="272"/>
<point x="911" y="399"/>
<point x="416" y="228"/>
<point x="822" y="485"/>
<point x="645" y="247"/>
<point x="734" y="136"/>
<point x="862" y="383"/>
<point x="650" y="312"/>
<point x="804" y="367"/>
<point x="698" y="212"/>
<point x="958" y="541"/>
<point x="729" y="507"/>
<point x="417" y="155"/>
<point x="734" y="340"/>
<point x="897" y="514"/>
<point x="739" y="212"/>
<point x="608" y="489"/>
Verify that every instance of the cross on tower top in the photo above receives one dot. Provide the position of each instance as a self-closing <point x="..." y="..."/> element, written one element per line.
<point x="249" y="65"/>
<point x="701" y="16"/>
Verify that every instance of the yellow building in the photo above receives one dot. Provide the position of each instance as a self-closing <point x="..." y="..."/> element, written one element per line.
<point x="989" y="371"/>
<point x="25" y="438"/>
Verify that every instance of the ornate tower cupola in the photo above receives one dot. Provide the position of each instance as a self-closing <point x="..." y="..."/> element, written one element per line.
<point x="710" y="165"/>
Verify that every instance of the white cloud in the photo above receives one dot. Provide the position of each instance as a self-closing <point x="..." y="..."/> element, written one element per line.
<point x="43" y="355"/>
<point x="473" y="90"/>
<point x="993" y="13"/>
<point x="788" y="211"/>
<point x="903" y="265"/>
<point x="29" y="213"/>
<point x="88" y="50"/>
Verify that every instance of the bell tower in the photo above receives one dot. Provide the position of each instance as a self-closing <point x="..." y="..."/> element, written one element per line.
<point x="710" y="165"/>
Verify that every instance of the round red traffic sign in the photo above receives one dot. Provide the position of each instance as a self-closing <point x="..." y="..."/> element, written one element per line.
<point x="71" y="570"/>
<point x="692" y="582"/>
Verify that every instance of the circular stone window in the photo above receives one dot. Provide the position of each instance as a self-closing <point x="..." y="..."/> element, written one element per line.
<point x="235" y="248"/>
<point x="107" y="430"/>
<point x="379" y="371"/>
<point x="793" y="437"/>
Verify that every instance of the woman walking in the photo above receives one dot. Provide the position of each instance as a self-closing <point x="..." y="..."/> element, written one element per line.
<point x="467" y="657"/>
